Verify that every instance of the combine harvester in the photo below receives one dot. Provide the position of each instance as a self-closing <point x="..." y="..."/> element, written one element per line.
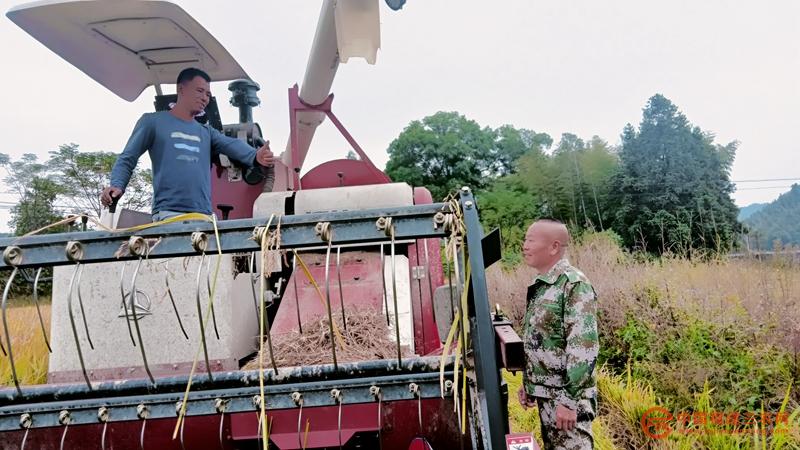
<point x="143" y="359"/>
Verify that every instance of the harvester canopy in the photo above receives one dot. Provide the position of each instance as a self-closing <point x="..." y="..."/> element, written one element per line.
<point x="126" y="46"/>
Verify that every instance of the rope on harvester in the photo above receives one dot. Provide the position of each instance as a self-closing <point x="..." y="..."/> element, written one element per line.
<point x="38" y="310"/>
<point x="296" y="296"/>
<point x="339" y="281"/>
<point x="376" y="393"/>
<point x="124" y="305"/>
<point x="267" y="265"/>
<point x="72" y="322"/>
<point x="208" y="290"/>
<point x="221" y="405"/>
<point x="65" y="419"/>
<point x="10" y="353"/>
<point x="25" y="422"/>
<point x="336" y="395"/>
<point x="102" y="416"/>
<point x="137" y="246"/>
<point x="143" y="412"/>
<point x="200" y="319"/>
<point x="172" y="300"/>
<point x="324" y="231"/>
<point x="297" y="397"/>
<point x="459" y="330"/>
<point x="383" y="282"/>
<point x="446" y="351"/>
<point x="386" y="225"/>
<point x="213" y="220"/>
<point x="12" y="256"/>
<point x="460" y="354"/>
<point x="262" y="236"/>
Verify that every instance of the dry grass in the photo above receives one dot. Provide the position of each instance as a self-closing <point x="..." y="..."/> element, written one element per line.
<point x="30" y="350"/>
<point x="752" y="294"/>
<point x="366" y="338"/>
<point x="709" y="316"/>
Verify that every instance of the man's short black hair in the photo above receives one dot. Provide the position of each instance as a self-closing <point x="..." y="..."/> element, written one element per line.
<point x="190" y="74"/>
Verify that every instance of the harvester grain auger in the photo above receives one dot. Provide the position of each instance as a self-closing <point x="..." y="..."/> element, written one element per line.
<point x="168" y="335"/>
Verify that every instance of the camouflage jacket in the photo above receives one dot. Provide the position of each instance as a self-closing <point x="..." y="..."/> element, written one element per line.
<point x="560" y="336"/>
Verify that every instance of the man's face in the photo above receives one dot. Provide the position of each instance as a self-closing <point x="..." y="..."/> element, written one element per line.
<point x="194" y="95"/>
<point x="539" y="248"/>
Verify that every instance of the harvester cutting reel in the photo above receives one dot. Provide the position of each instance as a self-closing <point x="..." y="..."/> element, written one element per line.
<point x="454" y="397"/>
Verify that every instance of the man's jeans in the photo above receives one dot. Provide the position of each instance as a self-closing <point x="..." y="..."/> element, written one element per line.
<point x="166" y="214"/>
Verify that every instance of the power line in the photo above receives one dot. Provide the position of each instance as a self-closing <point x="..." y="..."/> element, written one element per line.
<point x="9" y="205"/>
<point x="765" y="179"/>
<point x="762" y="187"/>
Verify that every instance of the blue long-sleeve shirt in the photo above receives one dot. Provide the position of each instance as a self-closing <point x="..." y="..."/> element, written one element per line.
<point x="180" y="153"/>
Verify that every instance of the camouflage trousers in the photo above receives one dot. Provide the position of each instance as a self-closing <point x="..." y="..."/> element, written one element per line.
<point x="579" y="438"/>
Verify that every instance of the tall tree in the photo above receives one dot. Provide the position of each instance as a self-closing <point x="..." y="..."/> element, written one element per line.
<point x="572" y="184"/>
<point x="36" y="190"/>
<point x="511" y="143"/>
<point x="443" y="152"/>
<point x="36" y="207"/>
<point x="83" y="175"/>
<point x="599" y="163"/>
<point x="508" y="205"/>
<point x="673" y="191"/>
<point x="70" y="181"/>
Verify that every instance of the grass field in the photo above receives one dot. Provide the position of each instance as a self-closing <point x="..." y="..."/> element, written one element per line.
<point x="29" y="347"/>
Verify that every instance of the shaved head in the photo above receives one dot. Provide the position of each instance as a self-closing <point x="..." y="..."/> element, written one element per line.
<point x="545" y="244"/>
<point x="553" y="231"/>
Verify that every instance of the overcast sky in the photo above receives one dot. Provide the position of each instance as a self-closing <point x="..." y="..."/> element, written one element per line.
<point x="585" y="67"/>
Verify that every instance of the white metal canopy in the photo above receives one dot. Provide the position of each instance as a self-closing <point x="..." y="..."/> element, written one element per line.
<point x="126" y="45"/>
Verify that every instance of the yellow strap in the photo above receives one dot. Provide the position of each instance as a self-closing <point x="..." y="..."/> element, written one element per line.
<point x="319" y="293"/>
<point x="178" y="218"/>
<point x="463" y="342"/>
<point x="455" y="370"/>
<point x="54" y="224"/>
<point x="268" y="426"/>
<point x="446" y="349"/>
<point x="464" y="306"/>
<point x="464" y="405"/>
<point x="305" y="436"/>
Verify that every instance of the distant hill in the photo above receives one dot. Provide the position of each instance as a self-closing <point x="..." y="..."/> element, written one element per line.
<point x="746" y="211"/>
<point x="777" y="220"/>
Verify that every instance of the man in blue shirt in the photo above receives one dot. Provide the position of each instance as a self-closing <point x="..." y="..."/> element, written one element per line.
<point x="180" y="151"/>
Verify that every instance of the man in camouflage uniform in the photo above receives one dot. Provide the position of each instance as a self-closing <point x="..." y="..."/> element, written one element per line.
<point x="561" y="342"/>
